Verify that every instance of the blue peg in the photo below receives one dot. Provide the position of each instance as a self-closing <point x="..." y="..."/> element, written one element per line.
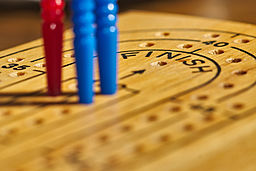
<point x="106" y="17"/>
<point x="84" y="43"/>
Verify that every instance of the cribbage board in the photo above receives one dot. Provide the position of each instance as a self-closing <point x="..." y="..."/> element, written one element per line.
<point x="186" y="101"/>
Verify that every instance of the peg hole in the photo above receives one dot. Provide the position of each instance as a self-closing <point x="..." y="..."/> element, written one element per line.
<point x="164" y="138"/>
<point x="162" y="34"/>
<point x="189" y="127"/>
<point x="196" y="107"/>
<point x="38" y="121"/>
<point x="126" y="128"/>
<point x="147" y="44"/>
<point x="212" y="35"/>
<point x="17" y="74"/>
<point x="242" y="41"/>
<point x="6" y="113"/>
<point x="104" y="138"/>
<point x="175" y="109"/>
<point x="209" y="118"/>
<point x="240" y="72"/>
<point x="237" y="106"/>
<point x="40" y="65"/>
<point x="234" y="60"/>
<point x="227" y="85"/>
<point x="158" y="63"/>
<point x="202" y="97"/>
<point x="216" y="52"/>
<point x="15" y="59"/>
<point x="152" y="118"/>
<point x="65" y="111"/>
<point x="11" y="131"/>
<point x="210" y="109"/>
<point x="185" y="46"/>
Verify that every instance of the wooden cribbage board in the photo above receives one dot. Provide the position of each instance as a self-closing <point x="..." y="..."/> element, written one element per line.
<point x="186" y="101"/>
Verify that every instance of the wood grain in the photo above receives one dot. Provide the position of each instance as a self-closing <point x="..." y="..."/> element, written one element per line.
<point x="186" y="101"/>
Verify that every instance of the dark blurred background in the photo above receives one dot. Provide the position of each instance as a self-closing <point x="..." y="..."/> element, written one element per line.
<point x="20" y="19"/>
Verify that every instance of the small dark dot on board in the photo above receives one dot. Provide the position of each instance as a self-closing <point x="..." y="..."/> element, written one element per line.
<point x="15" y="59"/>
<point x="234" y="60"/>
<point x="185" y="46"/>
<point x="227" y="85"/>
<point x="240" y="72"/>
<point x="152" y="118"/>
<point x="139" y="148"/>
<point x="40" y="65"/>
<point x="6" y="113"/>
<point x="158" y="63"/>
<point x="242" y="41"/>
<point x="237" y="106"/>
<point x="161" y="63"/>
<point x="147" y="44"/>
<point x="17" y="74"/>
<point x="196" y="107"/>
<point x="21" y="73"/>
<point x="123" y="86"/>
<point x="126" y="128"/>
<point x="210" y="109"/>
<point x="212" y="35"/>
<point x="175" y="109"/>
<point x="38" y="121"/>
<point x="65" y="111"/>
<point x="189" y="127"/>
<point x="104" y="138"/>
<point x="12" y="131"/>
<point x="209" y="118"/>
<point x="202" y="97"/>
<point x="162" y="34"/>
<point x="164" y="138"/>
<point x="216" y="51"/>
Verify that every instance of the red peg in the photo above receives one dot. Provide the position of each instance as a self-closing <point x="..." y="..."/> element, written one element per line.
<point x="52" y="30"/>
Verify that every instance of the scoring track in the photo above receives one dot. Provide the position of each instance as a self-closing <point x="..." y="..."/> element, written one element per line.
<point x="177" y="86"/>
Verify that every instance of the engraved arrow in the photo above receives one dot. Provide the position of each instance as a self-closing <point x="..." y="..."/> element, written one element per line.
<point x="133" y="73"/>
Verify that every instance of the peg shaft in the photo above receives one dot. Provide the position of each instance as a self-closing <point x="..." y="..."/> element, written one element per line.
<point x="106" y="14"/>
<point x="84" y="42"/>
<point x="52" y="30"/>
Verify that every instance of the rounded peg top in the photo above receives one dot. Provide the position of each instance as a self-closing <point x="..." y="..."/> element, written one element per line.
<point x="52" y="10"/>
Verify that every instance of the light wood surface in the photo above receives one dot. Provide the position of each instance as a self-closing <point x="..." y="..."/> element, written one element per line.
<point x="186" y="101"/>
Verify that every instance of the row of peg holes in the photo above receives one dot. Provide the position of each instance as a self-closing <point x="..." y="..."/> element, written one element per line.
<point x="36" y="121"/>
<point x="209" y="35"/>
<point x="187" y="46"/>
<point x="235" y="106"/>
<point x="126" y="128"/>
<point x="38" y="65"/>
<point x="104" y="138"/>
<point x="213" y="52"/>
